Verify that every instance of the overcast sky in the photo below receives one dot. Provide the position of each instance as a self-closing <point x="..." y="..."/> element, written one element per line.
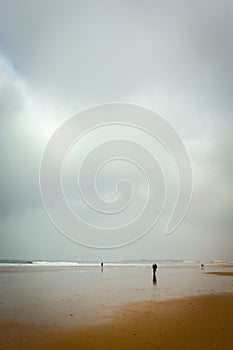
<point x="59" y="57"/>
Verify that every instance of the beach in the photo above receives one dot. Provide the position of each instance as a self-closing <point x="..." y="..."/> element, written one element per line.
<point x="193" y="323"/>
<point x="122" y="308"/>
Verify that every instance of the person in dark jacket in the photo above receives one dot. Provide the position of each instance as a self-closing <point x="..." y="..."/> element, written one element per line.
<point x="154" y="267"/>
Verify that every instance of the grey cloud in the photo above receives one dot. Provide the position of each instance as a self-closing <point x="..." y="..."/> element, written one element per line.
<point x="172" y="56"/>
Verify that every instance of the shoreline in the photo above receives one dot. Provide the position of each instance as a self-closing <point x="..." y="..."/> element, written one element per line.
<point x="200" y="322"/>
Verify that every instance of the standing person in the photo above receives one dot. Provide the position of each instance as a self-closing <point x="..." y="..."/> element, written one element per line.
<point x="154" y="267"/>
<point x="102" y="266"/>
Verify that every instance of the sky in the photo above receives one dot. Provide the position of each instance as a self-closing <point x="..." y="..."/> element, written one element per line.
<point x="60" y="57"/>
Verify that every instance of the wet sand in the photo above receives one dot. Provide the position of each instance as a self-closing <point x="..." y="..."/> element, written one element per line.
<point x="84" y="308"/>
<point x="220" y="273"/>
<point x="202" y="322"/>
<point x="85" y="296"/>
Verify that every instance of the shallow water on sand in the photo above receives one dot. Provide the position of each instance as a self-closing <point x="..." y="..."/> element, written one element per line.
<point x="85" y="295"/>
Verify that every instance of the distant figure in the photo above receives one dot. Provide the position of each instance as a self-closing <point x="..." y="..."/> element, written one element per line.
<point x="102" y="266"/>
<point x="202" y="266"/>
<point x="154" y="267"/>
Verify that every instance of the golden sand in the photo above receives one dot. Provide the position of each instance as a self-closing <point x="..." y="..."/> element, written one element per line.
<point x="204" y="322"/>
<point x="229" y="273"/>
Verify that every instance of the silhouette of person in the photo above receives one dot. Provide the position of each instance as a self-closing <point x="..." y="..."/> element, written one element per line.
<point x="154" y="267"/>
